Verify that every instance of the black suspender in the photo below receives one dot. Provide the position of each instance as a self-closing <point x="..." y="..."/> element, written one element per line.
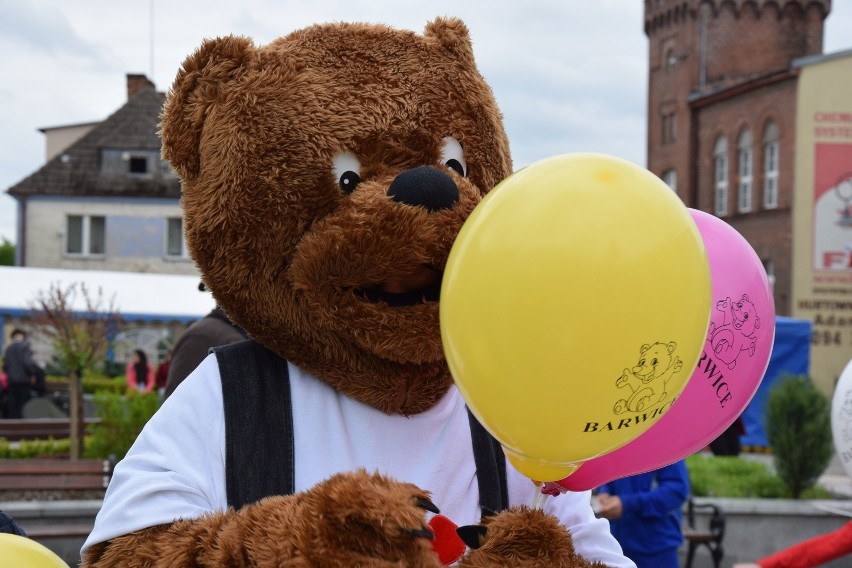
<point x="259" y="448"/>
<point x="490" y="468"/>
<point x="259" y="451"/>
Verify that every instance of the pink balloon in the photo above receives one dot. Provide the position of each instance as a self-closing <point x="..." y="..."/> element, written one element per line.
<point x="736" y="353"/>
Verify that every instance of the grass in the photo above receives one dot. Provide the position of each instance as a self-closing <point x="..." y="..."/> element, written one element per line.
<point x="731" y="476"/>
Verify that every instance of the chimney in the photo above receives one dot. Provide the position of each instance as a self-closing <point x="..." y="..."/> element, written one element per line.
<point x="136" y="83"/>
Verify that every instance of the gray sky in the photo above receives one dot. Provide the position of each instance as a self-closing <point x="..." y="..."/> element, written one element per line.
<point x="569" y="75"/>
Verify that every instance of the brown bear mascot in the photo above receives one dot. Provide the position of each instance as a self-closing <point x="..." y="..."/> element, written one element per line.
<point x="325" y="177"/>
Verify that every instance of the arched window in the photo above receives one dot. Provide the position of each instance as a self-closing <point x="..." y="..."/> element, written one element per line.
<point x="769" y="266"/>
<point x="720" y="175"/>
<point x="670" y="179"/>
<point x="671" y="59"/>
<point x="744" y="169"/>
<point x="669" y="127"/>
<point x="770" y="166"/>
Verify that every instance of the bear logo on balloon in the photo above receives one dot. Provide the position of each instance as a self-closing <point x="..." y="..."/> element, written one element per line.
<point x="647" y="380"/>
<point x="736" y="332"/>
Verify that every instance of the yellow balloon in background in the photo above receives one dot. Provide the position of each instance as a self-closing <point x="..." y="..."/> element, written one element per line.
<point x="574" y="306"/>
<point x="19" y="551"/>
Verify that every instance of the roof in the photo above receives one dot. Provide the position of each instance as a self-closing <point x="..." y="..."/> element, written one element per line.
<point x="821" y="58"/>
<point x="63" y="126"/>
<point x="162" y="297"/>
<point x="77" y="170"/>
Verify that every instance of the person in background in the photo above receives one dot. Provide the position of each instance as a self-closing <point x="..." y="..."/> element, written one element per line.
<point x="4" y="390"/>
<point x="212" y="330"/>
<point x="162" y="375"/>
<point x="140" y="373"/>
<point x="645" y="516"/>
<point x="728" y="442"/>
<point x="22" y="373"/>
<point x="809" y="553"/>
<point x="9" y="526"/>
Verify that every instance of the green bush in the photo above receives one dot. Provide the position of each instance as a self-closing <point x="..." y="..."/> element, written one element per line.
<point x="122" y="418"/>
<point x="93" y="383"/>
<point x="34" y="448"/>
<point x="56" y="367"/>
<point x="798" y="429"/>
<point x="105" y="369"/>
<point x="732" y="476"/>
<point x="102" y="383"/>
<point x="113" y="369"/>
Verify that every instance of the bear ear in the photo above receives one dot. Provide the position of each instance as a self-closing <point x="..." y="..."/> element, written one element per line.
<point x="453" y="35"/>
<point x="203" y="79"/>
<point x="671" y="347"/>
<point x="644" y="348"/>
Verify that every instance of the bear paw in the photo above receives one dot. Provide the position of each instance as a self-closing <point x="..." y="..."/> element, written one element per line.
<point x="354" y="519"/>
<point x="522" y="537"/>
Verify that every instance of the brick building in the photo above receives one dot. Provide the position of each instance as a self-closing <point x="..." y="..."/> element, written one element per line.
<point x="721" y="112"/>
<point x="750" y="121"/>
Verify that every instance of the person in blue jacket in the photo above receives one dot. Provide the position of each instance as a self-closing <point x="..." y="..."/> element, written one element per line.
<point x="644" y="513"/>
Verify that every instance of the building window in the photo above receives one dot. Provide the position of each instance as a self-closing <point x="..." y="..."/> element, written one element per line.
<point x="670" y="178"/>
<point x="744" y="168"/>
<point x="137" y="165"/>
<point x="175" y="246"/>
<point x="770" y="166"/>
<point x="671" y="59"/>
<point x="720" y="176"/>
<point x="669" y="127"/>
<point x="85" y="235"/>
<point x="769" y="266"/>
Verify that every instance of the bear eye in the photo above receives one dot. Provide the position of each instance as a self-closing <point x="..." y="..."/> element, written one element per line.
<point x="347" y="171"/>
<point x="452" y="155"/>
<point x="348" y="181"/>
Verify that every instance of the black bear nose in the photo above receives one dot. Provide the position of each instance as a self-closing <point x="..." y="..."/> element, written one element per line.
<point x="425" y="186"/>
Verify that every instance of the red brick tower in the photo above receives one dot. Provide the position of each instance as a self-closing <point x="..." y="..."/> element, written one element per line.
<point x="722" y="108"/>
<point x="697" y="47"/>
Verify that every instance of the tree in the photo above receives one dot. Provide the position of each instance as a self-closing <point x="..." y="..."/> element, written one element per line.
<point x="7" y="253"/>
<point x="798" y="428"/>
<point x="79" y="325"/>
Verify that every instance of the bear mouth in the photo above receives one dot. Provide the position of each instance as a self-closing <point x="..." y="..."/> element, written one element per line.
<point x="421" y="286"/>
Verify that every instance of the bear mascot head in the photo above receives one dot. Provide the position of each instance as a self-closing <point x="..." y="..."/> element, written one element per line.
<point x="324" y="178"/>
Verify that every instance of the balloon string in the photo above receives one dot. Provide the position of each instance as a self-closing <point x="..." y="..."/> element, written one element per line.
<point x="538" y="497"/>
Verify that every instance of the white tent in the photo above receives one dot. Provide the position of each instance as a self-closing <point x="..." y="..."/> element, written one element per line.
<point x="164" y="297"/>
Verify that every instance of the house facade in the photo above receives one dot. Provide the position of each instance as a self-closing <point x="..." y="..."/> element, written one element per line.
<point x="105" y="200"/>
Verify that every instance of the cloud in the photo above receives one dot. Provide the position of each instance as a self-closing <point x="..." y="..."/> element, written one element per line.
<point x="568" y="76"/>
<point x="46" y="30"/>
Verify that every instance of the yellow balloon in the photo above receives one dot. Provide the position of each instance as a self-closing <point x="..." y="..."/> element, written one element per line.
<point x="20" y="551"/>
<point x="574" y="306"/>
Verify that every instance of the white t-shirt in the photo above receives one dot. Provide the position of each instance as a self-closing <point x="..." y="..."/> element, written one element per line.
<point x="176" y="467"/>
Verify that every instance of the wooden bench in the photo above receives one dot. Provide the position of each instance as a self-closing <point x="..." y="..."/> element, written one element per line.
<point x="709" y="534"/>
<point x="16" y="429"/>
<point x="58" y="474"/>
<point x="59" y="530"/>
<point x="55" y="474"/>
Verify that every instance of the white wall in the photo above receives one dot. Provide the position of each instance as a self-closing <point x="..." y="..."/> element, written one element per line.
<point x="46" y="225"/>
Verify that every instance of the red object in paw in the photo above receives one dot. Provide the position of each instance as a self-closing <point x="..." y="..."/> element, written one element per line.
<point x="446" y="543"/>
